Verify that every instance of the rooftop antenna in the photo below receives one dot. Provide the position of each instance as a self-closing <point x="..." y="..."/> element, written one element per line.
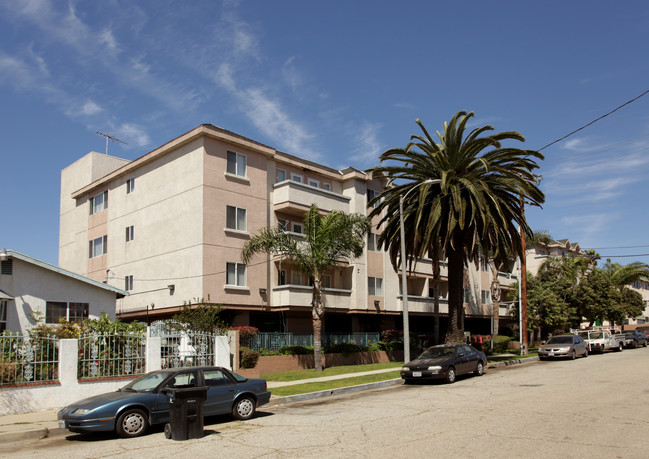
<point x="114" y="139"/>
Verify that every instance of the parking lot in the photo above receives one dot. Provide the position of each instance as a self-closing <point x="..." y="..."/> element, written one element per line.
<point x="593" y="407"/>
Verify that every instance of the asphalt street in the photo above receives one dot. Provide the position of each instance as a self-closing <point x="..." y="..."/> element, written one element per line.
<point x="593" y="407"/>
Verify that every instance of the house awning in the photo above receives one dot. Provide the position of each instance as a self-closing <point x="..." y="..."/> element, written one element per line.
<point x="5" y="296"/>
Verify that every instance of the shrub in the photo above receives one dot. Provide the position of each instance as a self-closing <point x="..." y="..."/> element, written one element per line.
<point x="296" y="350"/>
<point x="245" y="334"/>
<point x="501" y="344"/>
<point x="263" y="351"/>
<point x="248" y="357"/>
<point x="344" y="348"/>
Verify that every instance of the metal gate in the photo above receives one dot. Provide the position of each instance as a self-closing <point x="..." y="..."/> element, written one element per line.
<point x="181" y="347"/>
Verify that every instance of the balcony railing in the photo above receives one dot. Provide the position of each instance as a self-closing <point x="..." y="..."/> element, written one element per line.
<point x="295" y="198"/>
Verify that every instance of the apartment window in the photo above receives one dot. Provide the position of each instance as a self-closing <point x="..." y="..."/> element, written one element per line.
<point x="297" y="178"/>
<point x="282" y="224"/>
<point x="297" y="228"/>
<point x="375" y="286"/>
<point x="7" y="267"/>
<point x="281" y="175"/>
<point x="78" y="311"/>
<point x="235" y="274"/>
<point x="281" y="277"/>
<point x="373" y="242"/>
<point x="485" y="296"/>
<point x="467" y="295"/>
<point x="327" y="187"/>
<point x="130" y="185"/>
<point x="130" y="233"/>
<point x="99" y="202"/>
<point x="314" y="183"/>
<point x="371" y="194"/>
<point x="236" y="164"/>
<point x="55" y="311"/>
<point x="235" y="218"/>
<point x="296" y="279"/>
<point x="128" y="283"/>
<point x="326" y="281"/>
<point x="3" y="316"/>
<point x="98" y="247"/>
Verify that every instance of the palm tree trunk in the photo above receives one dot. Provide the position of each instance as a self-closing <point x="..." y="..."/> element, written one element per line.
<point x="318" y="326"/>
<point x="455" y="332"/>
<point x="436" y="276"/>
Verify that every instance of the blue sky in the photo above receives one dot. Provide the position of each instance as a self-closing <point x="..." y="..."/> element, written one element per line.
<point x="336" y="82"/>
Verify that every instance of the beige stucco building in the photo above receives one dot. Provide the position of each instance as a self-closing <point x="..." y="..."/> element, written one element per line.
<point x="169" y="226"/>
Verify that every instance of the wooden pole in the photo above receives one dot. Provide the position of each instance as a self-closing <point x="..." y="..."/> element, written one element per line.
<point x="523" y="280"/>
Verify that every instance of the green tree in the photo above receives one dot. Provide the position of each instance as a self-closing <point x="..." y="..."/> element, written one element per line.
<point x="203" y="317"/>
<point x="328" y="240"/>
<point x="596" y="299"/>
<point x="469" y="190"/>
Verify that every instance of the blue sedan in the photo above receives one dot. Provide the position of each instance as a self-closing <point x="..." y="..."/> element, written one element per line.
<point x="143" y="402"/>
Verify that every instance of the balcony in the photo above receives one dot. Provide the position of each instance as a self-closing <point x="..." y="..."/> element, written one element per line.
<point x="301" y="295"/>
<point x="424" y="304"/>
<point x="295" y="198"/>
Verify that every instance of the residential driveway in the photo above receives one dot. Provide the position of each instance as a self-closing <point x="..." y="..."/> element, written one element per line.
<point x="593" y="407"/>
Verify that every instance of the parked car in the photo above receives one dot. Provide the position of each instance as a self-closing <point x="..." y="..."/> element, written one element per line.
<point x="567" y="346"/>
<point x="445" y="361"/>
<point x="634" y="338"/>
<point x="143" y="402"/>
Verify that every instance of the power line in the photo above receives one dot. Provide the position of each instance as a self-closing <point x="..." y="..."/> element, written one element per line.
<point x="620" y="247"/>
<point x="594" y="121"/>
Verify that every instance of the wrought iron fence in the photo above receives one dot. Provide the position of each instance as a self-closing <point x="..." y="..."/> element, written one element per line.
<point x="181" y="347"/>
<point x="105" y="355"/>
<point x="25" y="359"/>
<point x="275" y="341"/>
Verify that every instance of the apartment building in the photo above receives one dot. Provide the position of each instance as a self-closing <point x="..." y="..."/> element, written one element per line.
<point x="169" y="226"/>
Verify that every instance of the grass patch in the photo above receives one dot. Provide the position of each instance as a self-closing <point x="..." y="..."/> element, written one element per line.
<point x="332" y="371"/>
<point x="334" y="384"/>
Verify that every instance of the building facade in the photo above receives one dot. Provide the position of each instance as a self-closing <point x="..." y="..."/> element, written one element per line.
<point x="169" y="227"/>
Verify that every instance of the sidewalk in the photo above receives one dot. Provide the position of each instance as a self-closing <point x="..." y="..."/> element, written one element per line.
<point x="41" y="424"/>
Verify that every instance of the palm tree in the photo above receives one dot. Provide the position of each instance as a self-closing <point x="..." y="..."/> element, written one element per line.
<point x="468" y="201"/>
<point x="329" y="240"/>
<point x="622" y="276"/>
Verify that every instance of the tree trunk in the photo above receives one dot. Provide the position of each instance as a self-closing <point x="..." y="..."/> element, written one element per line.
<point x="318" y="325"/>
<point x="436" y="276"/>
<point x="455" y="332"/>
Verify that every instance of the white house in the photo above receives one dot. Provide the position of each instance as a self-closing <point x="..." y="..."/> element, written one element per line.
<point x="30" y="287"/>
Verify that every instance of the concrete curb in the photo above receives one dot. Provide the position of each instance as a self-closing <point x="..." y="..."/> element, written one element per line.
<point x="327" y="393"/>
<point x="507" y="363"/>
<point x="35" y="434"/>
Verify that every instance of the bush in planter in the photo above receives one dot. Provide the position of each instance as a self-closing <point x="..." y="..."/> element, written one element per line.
<point x="344" y="348"/>
<point x="263" y="351"/>
<point x="248" y="357"/>
<point x="296" y="350"/>
<point x="501" y="344"/>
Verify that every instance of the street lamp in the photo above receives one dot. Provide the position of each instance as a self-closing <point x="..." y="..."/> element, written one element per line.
<point x="404" y="281"/>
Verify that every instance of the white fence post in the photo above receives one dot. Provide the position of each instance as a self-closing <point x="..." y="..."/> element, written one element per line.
<point x="233" y="338"/>
<point x="222" y="351"/>
<point x="68" y="364"/>
<point x="153" y="358"/>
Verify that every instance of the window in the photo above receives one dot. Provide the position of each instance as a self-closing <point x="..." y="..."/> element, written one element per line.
<point x="375" y="286"/>
<point x="97" y="247"/>
<point x="130" y="185"/>
<point x="373" y="242"/>
<point x="77" y="312"/>
<point x="314" y="183"/>
<point x="326" y="281"/>
<point x="128" y="283"/>
<point x="281" y="175"/>
<point x="296" y="279"/>
<point x="99" y="202"/>
<point x="130" y="233"/>
<point x="485" y="296"/>
<point x="235" y="274"/>
<point x="467" y="295"/>
<point x="327" y="187"/>
<point x="296" y="178"/>
<point x="281" y="277"/>
<point x="282" y="224"/>
<point x="215" y="378"/>
<point x="3" y="316"/>
<point x="297" y="228"/>
<point x="7" y="266"/>
<point x="54" y="311"/>
<point x="371" y="194"/>
<point x="236" y="164"/>
<point x="235" y="218"/>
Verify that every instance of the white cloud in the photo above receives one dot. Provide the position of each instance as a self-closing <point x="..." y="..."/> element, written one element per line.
<point x="133" y="134"/>
<point x="368" y="147"/>
<point x="90" y="108"/>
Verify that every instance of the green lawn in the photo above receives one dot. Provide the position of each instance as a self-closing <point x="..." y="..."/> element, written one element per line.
<point x="334" y="384"/>
<point x="332" y="371"/>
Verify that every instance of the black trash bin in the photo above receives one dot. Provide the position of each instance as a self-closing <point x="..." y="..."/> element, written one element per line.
<point x="185" y="412"/>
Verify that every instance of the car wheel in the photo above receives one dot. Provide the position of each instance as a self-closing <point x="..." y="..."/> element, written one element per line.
<point x="132" y="423"/>
<point x="620" y="347"/>
<point x="635" y="344"/>
<point x="573" y="355"/>
<point x="244" y="408"/>
<point x="644" y="344"/>
<point x="586" y="352"/>
<point x="479" y="368"/>
<point x="450" y="375"/>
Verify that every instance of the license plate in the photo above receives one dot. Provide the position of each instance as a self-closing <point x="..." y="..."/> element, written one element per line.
<point x="61" y="424"/>
<point x="416" y="374"/>
<point x="550" y="354"/>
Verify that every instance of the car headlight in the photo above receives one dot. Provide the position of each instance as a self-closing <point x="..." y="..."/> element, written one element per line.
<point x="405" y="369"/>
<point x="434" y="368"/>
<point x="81" y="411"/>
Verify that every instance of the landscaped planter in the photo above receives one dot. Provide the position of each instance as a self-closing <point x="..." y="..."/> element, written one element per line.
<point x="278" y="363"/>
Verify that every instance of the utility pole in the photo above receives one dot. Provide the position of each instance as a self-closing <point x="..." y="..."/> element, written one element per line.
<point x="523" y="283"/>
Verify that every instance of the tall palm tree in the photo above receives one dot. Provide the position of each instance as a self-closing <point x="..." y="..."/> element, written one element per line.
<point x="621" y="276"/>
<point x="468" y="201"/>
<point x="328" y="240"/>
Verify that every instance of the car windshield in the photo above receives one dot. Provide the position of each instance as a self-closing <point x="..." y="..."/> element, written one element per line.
<point x="437" y="351"/>
<point x="145" y="383"/>
<point x="560" y="340"/>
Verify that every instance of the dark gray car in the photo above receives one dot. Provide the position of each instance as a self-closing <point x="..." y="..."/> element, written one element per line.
<point x="563" y="346"/>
